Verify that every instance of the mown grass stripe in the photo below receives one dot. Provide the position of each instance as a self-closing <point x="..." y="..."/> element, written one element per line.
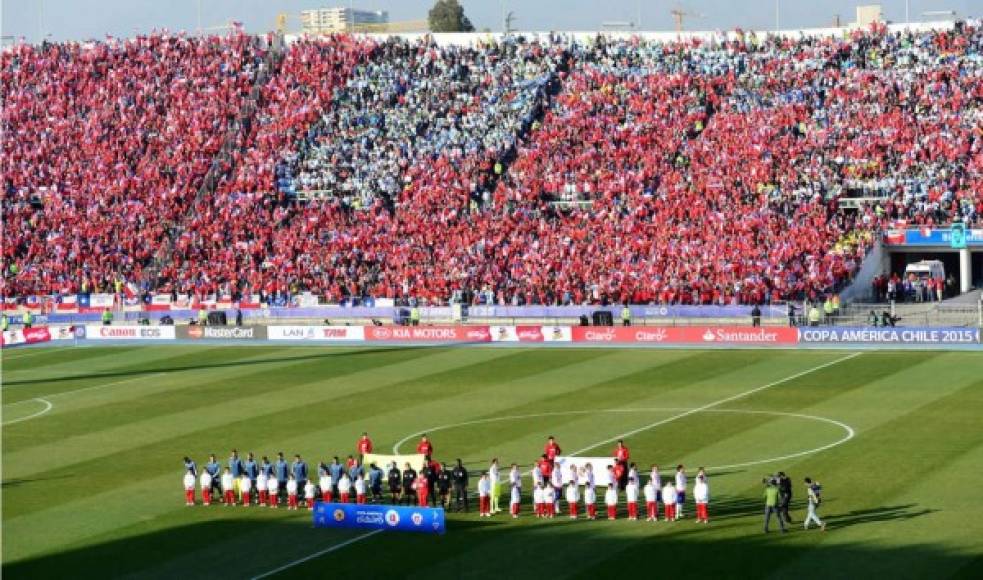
<point x="198" y="416"/>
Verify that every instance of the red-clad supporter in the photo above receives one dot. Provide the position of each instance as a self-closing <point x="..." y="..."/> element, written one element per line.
<point x="364" y="445"/>
<point x="551" y="449"/>
<point x="425" y="447"/>
<point x="109" y="142"/>
<point x="621" y="453"/>
<point x="524" y="172"/>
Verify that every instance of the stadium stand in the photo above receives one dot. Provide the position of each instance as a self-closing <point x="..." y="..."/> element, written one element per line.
<point x="741" y="170"/>
<point x="106" y="144"/>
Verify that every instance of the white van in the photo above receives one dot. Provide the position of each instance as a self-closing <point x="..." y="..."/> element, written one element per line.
<point x="926" y="269"/>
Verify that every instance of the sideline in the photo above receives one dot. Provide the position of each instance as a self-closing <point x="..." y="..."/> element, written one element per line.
<point x="48" y="407"/>
<point x="328" y="550"/>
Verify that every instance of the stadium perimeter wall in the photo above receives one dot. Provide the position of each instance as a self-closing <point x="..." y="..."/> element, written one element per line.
<point x="587" y="36"/>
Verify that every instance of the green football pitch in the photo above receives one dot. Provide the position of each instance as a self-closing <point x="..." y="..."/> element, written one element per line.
<point x="93" y="440"/>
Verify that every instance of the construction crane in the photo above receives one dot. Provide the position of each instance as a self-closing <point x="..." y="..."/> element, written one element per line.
<point x="678" y="13"/>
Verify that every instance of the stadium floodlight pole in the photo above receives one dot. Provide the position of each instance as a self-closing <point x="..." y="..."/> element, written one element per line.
<point x="777" y="17"/>
<point x="907" y="8"/>
<point x="199" y="18"/>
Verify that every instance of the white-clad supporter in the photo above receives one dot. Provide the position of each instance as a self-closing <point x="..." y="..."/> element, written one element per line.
<point x="537" y="500"/>
<point x="573" y="497"/>
<point x="189" y="488"/>
<point x="344" y="487"/>
<point x="651" y="506"/>
<point x="245" y="488"/>
<point x="590" y="500"/>
<point x="206" y="487"/>
<point x="273" y="485"/>
<point x="228" y="487"/>
<point x="326" y="485"/>
<point x="291" y="492"/>
<point x="631" y="497"/>
<point x="359" y="486"/>
<point x="515" y="500"/>
<point x="701" y="495"/>
<point x="262" y="487"/>
<point x="309" y="494"/>
<point x="484" y="496"/>
<point x="669" y="501"/>
<point x="549" y="500"/>
<point x="611" y="499"/>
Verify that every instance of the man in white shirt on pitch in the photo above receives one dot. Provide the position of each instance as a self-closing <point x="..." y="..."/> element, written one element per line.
<point x="680" y="490"/>
<point x="556" y="480"/>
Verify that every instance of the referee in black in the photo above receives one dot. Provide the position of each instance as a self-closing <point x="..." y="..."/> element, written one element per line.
<point x="459" y="476"/>
<point x="784" y="496"/>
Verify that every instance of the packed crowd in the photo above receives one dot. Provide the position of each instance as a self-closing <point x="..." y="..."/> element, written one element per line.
<point x="521" y="172"/>
<point x="106" y="145"/>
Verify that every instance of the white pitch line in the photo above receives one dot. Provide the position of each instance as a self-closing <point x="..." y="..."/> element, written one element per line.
<point x="639" y="430"/>
<point x="715" y="404"/>
<point x="48" y="406"/>
<point x="316" y="555"/>
<point x="850" y="433"/>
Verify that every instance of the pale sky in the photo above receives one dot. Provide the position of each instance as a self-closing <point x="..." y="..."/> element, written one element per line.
<point x="85" y="19"/>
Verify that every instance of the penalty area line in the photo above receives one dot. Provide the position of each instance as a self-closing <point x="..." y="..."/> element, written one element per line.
<point x="328" y="550"/>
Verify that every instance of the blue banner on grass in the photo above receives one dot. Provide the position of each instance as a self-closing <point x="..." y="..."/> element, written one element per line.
<point x="379" y="517"/>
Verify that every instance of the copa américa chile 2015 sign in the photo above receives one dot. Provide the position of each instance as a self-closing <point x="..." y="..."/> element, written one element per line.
<point x="379" y="517"/>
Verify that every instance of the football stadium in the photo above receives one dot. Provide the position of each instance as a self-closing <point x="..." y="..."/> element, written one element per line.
<point x="384" y="291"/>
